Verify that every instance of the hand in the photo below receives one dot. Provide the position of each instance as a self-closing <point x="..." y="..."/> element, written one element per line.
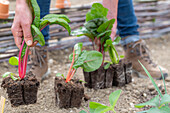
<point x="112" y="5"/>
<point x="22" y="24"/>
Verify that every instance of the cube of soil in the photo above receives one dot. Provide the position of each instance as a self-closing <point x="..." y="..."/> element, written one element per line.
<point x="119" y="75"/>
<point x="69" y="94"/>
<point x="95" y="79"/>
<point x="21" y="92"/>
<point x="109" y="77"/>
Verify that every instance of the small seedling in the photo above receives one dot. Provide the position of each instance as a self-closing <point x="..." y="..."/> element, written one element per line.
<point x="160" y="102"/>
<point x="13" y="61"/>
<point x="100" y="108"/>
<point x="36" y="27"/>
<point x="88" y="60"/>
<point x="99" y="28"/>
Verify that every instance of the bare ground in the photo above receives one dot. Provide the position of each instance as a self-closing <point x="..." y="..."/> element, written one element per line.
<point x="140" y="90"/>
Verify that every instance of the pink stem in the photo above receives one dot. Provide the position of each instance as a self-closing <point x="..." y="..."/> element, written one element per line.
<point x="25" y="62"/>
<point x="20" y="65"/>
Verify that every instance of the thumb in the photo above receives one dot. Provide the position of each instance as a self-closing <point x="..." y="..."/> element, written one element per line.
<point x="27" y="34"/>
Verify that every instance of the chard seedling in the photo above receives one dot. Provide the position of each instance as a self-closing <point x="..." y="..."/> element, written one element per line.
<point x="98" y="27"/>
<point x="36" y="27"/>
<point x="160" y="103"/>
<point x="88" y="60"/>
<point x="13" y="61"/>
<point x="100" y="108"/>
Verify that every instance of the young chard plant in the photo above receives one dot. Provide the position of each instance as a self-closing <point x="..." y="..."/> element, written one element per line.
<point x="160" y="102"/>
<point x="13" y="61"/>
<point x="88" y="60"/>
<point x="36" y="27"/>
<point x="100" y="108"/>
<point x="98" y="27"/>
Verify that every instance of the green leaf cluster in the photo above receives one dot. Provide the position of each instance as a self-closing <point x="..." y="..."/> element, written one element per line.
<point x="100" y="108"/>
<point x="88" y="60"/>
<point x="160" y="102"/>
<point x="98" y="27"/>
<point x="12" y="75"/>
<point x="38" y="24"/>
<point x="13" y="61"/>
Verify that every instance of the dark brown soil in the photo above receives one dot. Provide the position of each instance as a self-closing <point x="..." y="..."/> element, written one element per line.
<point x="115" y="75"/>
<point x="21" y="92"/>
<point x="68" y="95"/>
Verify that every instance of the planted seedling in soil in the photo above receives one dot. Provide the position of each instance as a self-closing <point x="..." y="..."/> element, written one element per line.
<point x="160" y="103"/>
<point x="98" y="29"/>
<point x="100" y="108"/>
<point x="69" y="92"/>
<point x="21" y="88"/>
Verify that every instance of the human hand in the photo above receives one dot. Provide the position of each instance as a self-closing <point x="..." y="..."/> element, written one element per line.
<point x="112" y="5"/>
<point x="22" y="24"/>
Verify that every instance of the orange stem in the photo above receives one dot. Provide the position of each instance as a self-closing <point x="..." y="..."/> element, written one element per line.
<point x="71" y="75"/>
<point x="69" y="72"/>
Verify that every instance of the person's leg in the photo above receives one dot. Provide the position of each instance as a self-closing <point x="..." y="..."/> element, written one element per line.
<point x="135" y="49"/>
<point x="45" y="9"/>
<point x="127" y="22"/>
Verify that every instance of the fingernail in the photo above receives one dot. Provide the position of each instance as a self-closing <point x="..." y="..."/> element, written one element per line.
<point x="29" y="42"/>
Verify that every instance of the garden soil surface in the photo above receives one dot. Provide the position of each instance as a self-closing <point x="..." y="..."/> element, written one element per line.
<point x="140" y="90"/>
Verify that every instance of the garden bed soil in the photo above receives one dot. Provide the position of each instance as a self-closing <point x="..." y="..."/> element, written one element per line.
<point x="138" y="91"/>
<point x="70" y="94"/>
<point x="115" y="75"/>
<point x="21" y="92"/>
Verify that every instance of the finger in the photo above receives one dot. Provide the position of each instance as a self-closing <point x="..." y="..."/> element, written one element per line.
<point x="34" y="44"/>
<point x="16" y="31"/>
<point x="27" y="33"/>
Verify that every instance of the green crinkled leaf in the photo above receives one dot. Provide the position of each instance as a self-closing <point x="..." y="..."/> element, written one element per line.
<point x="94" y="105"/>
<point x="82" y="111"/>
<point x="82" y="32"/>
<point x="103" y="39"/>
<point x="97" y="11"/>
<point x="102" y="109"/>
<point x="153" y="82"/>
<point x="113" y="97"/>
<point x="59" y="21"/>
<point x="165" y="99"/>
<point x="59" y="74"/>
<point x="165" y="109"/>
<point x="77" y="50"/>
<point x="93" y="61"/>
<point x="36" y="15"/>
<point x="6" y="74"/>
<point x="116" y="41"/>
<point x="107" y="66"/>
<point x="23" y="50"/>
<point x="80" y="61"/>
<point x="38" y="35"/>
<point x="106" y="26"/>
<point x="153" y="102"/>
<point x="13" y="77"/>
<point x="13" y="61"/>
<point x="53" y="17"/>
<point x="157" y="110"/>
<point x="105" y="33"/>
